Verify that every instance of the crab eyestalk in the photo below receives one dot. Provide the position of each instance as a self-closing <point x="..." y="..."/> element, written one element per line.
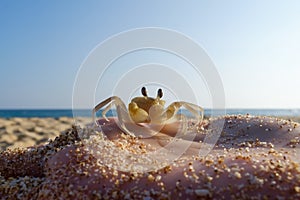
<point x="159" y="93"/>
<point x="144" y="92"/>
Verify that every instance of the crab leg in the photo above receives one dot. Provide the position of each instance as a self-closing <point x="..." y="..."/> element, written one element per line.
<point x="194" y="109"/>
<point x="114" y="100"/>
<point x="124" y="120"/>
<point x="106" y="110"/>
<point x="123" y="116"/>
<point x="101" y="105"/>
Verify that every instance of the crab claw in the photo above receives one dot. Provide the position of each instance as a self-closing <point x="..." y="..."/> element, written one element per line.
<point x="157" y="115"/>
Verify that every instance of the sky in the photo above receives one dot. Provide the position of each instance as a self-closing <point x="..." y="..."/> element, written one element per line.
<point x="255" y="46"/>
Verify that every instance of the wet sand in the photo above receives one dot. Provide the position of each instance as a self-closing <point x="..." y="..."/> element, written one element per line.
<point x="255" y="157"/>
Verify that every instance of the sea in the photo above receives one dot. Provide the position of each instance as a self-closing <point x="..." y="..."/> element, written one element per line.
<point x="56" y="113"/>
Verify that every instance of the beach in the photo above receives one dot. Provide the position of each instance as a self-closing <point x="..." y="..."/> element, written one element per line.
<point x="254" y="158"/>
<point x="26" y="132"/>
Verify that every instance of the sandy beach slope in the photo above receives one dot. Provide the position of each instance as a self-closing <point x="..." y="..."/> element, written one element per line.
<point x="25" y="132"/>
<point x="254" y="158"/>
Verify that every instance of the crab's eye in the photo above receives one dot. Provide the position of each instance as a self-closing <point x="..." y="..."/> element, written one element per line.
<point x="144" y="92"/>
<point x="159" y="93"/>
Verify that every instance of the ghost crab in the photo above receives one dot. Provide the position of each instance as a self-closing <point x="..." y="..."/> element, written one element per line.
<point x="146" y="110"/>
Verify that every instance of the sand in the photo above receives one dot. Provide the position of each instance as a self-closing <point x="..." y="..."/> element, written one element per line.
<point x="26" y="132"/>
<point x="254" y="158"/>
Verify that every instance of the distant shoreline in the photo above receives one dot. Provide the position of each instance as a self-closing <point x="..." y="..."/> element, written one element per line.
<point x="56" y="113"/>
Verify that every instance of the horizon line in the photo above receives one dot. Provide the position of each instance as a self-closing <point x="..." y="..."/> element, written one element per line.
<point x="236" y="108"/>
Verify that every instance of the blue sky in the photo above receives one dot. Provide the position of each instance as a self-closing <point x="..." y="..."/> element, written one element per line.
<point x="255" y="45"/>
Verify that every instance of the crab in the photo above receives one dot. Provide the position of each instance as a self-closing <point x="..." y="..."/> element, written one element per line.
<point x="146" y="110"/>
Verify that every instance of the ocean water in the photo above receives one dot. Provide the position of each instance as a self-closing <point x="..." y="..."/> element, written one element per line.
<point x="55" y="113"/>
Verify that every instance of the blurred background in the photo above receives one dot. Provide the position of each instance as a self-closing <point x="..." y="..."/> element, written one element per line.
<point x="255" y="46"/>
